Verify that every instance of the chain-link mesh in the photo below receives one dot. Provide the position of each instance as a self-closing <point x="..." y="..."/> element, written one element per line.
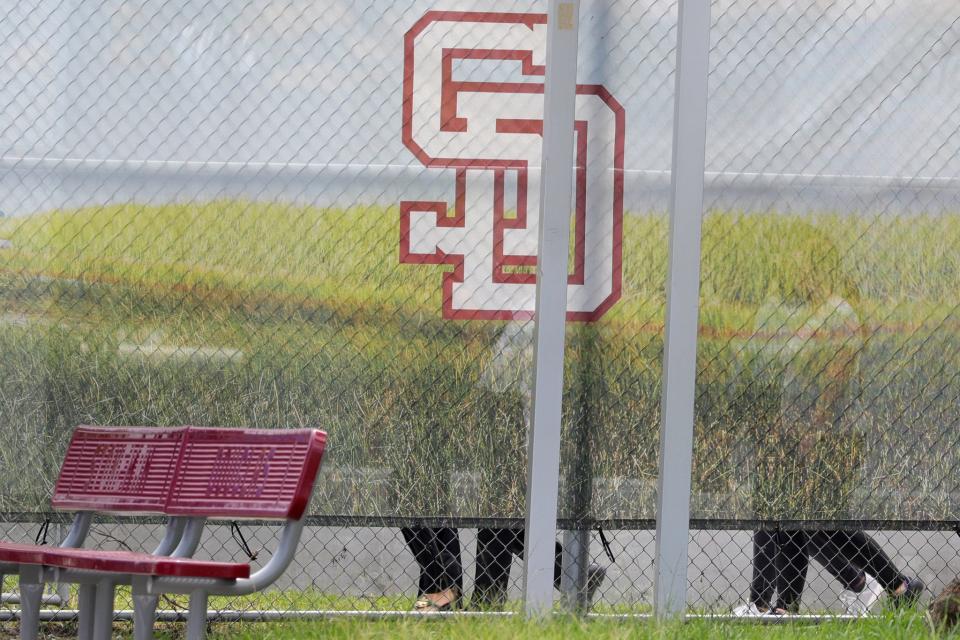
<point x="364" y="564"/>
<point x="286" y="214"/>
<point x="827" y="384"/>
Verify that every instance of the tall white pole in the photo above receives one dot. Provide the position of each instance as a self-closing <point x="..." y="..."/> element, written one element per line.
<point x="543" y="444"/>
<point x="683" y="293"/>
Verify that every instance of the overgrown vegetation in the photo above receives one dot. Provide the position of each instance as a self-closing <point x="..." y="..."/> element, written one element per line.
<point x="272" y="315"/>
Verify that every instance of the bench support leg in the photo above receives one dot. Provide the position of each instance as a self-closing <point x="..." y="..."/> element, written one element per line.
<point x="63" y="592"/>
<point x="144" y="610"/>
<point x="31" y="597"/>
<point x="103" y="611"/>
<point x="86" y="602"/>
<point x="197" y="620"/>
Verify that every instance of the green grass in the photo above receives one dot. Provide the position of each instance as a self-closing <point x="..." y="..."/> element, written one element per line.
<point x="326" y="327"/>
<point x="907" y="627"/>
<point x="911" y="626"/>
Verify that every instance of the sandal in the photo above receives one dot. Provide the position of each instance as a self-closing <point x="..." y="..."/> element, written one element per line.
<point x="426" y="605"/>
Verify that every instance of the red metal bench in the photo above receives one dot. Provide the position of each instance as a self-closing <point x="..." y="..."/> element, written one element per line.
<point x="106" y="470"/>
<point x="228" y="473"/>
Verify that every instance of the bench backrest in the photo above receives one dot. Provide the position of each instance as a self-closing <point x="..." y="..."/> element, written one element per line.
<point x="118" y="469"/>
<point x="246" y="473"/>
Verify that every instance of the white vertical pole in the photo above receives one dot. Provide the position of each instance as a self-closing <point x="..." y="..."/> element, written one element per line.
<point x="556" y="190"/>
<point x="683" y="293"/>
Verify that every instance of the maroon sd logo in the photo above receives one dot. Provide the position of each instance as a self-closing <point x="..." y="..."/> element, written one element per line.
<point x="473" y="102"/>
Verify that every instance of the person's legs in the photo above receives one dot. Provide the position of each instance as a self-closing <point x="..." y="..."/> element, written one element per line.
<point x="792" y="561"/>
<point x="903" y="590"/>
<point x="861" y="589"/>
<point x="517" y="548"/>
<point x="764" y="578"/>
<point x="495" y="550"/>
<point x="494" y="559"/>
<point x="419" y="542"/>
<point x="826" y="548"/>
<point x="437" y="553"/>
<point x="865" y="551"/>
<point x="448" y="551"/>
<point x="557" y="564"/>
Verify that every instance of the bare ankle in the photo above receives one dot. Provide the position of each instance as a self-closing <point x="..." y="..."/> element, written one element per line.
<point x="441" y="597"/>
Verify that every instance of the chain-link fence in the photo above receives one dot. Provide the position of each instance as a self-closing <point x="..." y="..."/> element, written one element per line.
<point x="285" y="214"/>
<point x="353" y="564"/>
<point x="830" y="393"/>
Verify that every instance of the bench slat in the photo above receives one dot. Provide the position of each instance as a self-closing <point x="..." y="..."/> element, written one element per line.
<point x="246" y="473"/>
<point x="118" y="469"/>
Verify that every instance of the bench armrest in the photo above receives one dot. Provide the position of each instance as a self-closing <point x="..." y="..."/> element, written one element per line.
<point x="267" y="575"/>
<point x="278" y="563"/>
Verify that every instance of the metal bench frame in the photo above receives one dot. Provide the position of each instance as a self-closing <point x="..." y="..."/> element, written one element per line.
<point x="181" y="539"/>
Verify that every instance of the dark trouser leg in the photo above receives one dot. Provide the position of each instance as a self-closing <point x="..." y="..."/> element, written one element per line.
<point x="557" y="564"/>
<point x="764" y="568"/>
<point x="494" y="558"/>
<point x="448" y="540"/>
<point x="864" y="551"/>
<point x="437" y="552"/>
<point x="420" y="543"/>
<point x="792" y="562"/>
<point x="495" y="551"/>
<point x="517" y="548"/>
<point x="826" y="547"/>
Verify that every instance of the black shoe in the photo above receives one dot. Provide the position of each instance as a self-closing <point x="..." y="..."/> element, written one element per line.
<point x="910" y="595"/>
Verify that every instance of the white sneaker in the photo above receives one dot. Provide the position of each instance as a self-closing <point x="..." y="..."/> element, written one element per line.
<point x="858" y="604"/>
<point x="748" y="610"/>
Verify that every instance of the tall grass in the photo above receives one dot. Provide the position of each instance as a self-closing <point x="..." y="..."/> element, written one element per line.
<point x="115" y="314"/>
<point x="233" y="251"/>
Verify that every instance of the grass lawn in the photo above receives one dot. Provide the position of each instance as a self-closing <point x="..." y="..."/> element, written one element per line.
<point x="911" y="625"/>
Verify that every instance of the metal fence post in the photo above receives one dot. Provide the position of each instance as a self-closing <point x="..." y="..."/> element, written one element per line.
<point x="683" y="291"/>
<point x="543" y="444"/>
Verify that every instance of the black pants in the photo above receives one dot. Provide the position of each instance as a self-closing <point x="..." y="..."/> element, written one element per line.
<point x="437" y="552"/>
<point x="779" y="565"/>
<point x="847" y="554"/>
<point x="781" y="558"/>
<point x="495" y="551"/>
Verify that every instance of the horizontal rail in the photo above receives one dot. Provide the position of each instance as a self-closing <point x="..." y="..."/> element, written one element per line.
<point x="261" y="167"/>
<point x="213" y="615"/>
<point x="52" y="599"/>
<point x="567" y="524"/>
